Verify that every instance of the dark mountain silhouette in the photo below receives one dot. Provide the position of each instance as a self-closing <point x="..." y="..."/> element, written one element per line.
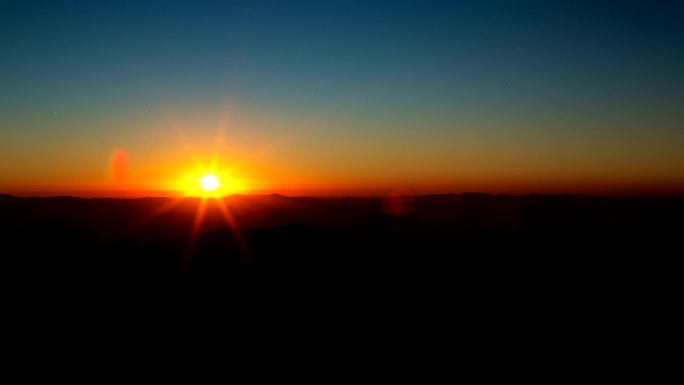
<point x="300" y="262"/>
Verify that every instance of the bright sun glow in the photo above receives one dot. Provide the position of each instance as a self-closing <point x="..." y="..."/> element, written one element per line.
<point x="209" y="182"/>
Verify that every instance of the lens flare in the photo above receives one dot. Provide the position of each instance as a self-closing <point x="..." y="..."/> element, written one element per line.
<point x="398" y="203"/>
<point x="119" y="165"/>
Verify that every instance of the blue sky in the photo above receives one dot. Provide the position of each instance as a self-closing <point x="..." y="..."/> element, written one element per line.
<point x="446" y="91"/>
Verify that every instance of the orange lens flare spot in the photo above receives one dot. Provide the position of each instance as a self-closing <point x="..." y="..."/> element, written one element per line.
<point x="119" y="165"/>
<point x="398" y="203"/>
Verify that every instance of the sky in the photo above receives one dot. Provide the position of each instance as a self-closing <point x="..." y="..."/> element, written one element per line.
<point x="338" y="98"/>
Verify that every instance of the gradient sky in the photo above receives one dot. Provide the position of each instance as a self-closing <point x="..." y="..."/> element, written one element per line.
<point x="343" y="98"/>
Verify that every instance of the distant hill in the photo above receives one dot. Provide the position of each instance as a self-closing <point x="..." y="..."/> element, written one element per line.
<point x="270" y="255"/>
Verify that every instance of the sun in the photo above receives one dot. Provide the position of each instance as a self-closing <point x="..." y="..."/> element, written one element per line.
<point x="209" y="182"/>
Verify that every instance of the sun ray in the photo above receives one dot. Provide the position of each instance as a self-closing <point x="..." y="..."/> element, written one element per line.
<point x="218" y="142"/>
<point x="145" y="219"/>
<point x="245" y="250"/>
<point x="188" y="256"/>
<point x="157" y="212"/>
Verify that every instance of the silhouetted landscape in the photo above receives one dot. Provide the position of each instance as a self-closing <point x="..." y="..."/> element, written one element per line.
<point x="472" y="257"/>
<point x="489" y="185"/>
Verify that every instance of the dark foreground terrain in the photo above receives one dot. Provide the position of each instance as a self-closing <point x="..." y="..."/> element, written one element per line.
<point x="481" y="266"/>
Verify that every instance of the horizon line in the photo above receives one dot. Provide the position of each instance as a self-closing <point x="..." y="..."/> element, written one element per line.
<point x="133" y="195"/>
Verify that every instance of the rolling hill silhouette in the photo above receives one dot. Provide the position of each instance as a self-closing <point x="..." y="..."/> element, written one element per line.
<point x="288" y="260"/>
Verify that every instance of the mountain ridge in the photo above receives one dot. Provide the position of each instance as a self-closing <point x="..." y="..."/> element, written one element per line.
<point x="347" y="253"/>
